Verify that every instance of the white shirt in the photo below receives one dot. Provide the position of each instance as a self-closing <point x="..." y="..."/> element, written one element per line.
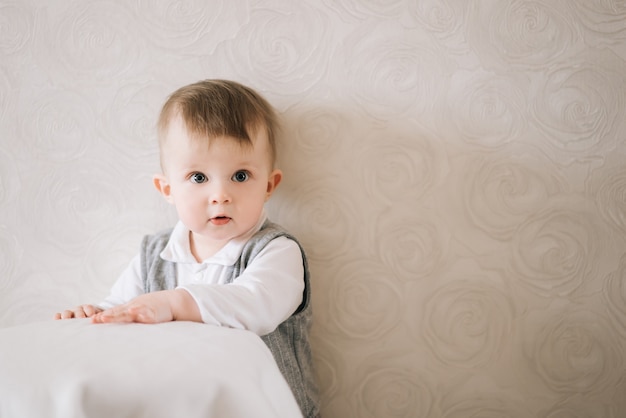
<point x="264" y="296"/>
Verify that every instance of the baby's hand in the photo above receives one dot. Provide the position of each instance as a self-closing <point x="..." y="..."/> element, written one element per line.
<point x="153" y="308"/>
<point x="150" y="308"/>
<point x="82" y="311"/>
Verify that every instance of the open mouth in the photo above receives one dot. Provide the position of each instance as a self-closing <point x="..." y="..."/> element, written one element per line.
<point x="220" y="220"/>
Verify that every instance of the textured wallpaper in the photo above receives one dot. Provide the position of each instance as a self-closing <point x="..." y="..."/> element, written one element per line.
<point x="456" y="170"/>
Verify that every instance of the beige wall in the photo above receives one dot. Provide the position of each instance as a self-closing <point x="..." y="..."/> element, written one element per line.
<point x="455" y="168"/>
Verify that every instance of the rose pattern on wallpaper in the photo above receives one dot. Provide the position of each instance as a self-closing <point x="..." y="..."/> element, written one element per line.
<point x="10" y="256"/>
<point x="614" y="292"/>
<point x="520" y="34"/>
<point x="578" y="109"/>
<point x="261" y="51"/>
<point x="499" y="192"/>
<point x="393" y="392"/>
<point x="411" y="246"/>
<point x="392" y="76"/>
<point x="90" y="40"/>
<point x="574" y="351"/>
<point x="121" y="120"/>
<point x="455" y="170"/>
<point x="556" y="250"/>
<point x="608" y="187"/>
<point x="411" y="166"/>
<point x="579" y="407"/>
<point x="371" y="300"/>
<point x="16" y="25"/>
<point x="9" y="179"/>
<point x="465" y="323"/>
<point x="490" y="110"/>
<point x="441" y="19"/>
<point x="487" y="408"/>
<point x="58" y="117"/>
<point x="188" y="25"/>
<point x="604" y="17"/>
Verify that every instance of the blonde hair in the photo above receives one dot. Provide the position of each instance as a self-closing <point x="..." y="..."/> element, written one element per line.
<point x="214" y="108"/>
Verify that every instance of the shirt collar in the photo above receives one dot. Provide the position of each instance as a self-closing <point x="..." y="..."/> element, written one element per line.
<point x="178" y="249"/>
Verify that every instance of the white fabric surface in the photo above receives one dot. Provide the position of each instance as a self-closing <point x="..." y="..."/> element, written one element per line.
<point x="73" y="368"/>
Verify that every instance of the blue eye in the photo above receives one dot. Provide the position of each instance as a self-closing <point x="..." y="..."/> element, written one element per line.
<point x="198" y="178"/>
<point x="241" y="176"/>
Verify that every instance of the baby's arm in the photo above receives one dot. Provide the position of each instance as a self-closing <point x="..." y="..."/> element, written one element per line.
<point x="266" y="294"/>
<point x="82" y="311"/>
<point x="155" y="307"/>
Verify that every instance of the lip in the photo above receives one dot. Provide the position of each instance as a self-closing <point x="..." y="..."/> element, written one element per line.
<point x="219" y="220"/>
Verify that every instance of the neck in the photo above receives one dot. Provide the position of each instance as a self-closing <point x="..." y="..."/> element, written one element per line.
<point x="203" y="250"/>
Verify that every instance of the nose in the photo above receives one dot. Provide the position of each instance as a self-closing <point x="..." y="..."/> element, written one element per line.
<point x="219" y="194"/>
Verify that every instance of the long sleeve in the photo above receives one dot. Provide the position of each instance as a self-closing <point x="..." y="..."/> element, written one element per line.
<point x="265" y="295"/>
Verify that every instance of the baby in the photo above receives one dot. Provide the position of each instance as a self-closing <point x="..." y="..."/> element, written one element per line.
<point x="224" y="263"/>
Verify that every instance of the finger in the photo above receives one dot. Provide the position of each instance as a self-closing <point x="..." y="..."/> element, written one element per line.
<point x="79" y="313"/>
<point x="67" y="314"/>
<point x="89" y="310"/>
<point x="142" y="314"/>
<point x="129" y="313"/>
<point x="98" y="318"/>
<point x="117" y="314"/>
<point x="57" y="315"/>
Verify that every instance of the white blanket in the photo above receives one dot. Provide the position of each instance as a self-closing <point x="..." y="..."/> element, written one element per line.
<point x="73" y="368"/>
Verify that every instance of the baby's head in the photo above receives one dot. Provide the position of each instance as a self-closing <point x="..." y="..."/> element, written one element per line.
<point x="218" y="148"/>
<point x="217" y="109"/>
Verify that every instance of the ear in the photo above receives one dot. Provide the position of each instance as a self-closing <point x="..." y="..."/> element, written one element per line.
<point x="161" y="184"/>
<point x="273" y="181"/>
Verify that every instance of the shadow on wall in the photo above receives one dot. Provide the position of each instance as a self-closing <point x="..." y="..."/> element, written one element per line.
<point x="358" y="193"/>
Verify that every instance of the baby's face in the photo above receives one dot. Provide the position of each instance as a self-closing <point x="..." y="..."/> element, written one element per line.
<point x="219" y="189"/>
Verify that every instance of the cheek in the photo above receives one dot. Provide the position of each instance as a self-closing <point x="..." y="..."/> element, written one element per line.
<point x="188" y="201"/>
<point x="253" y="195"/>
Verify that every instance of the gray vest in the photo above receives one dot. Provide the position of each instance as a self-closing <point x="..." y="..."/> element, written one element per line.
<point x="289" y="343"/>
